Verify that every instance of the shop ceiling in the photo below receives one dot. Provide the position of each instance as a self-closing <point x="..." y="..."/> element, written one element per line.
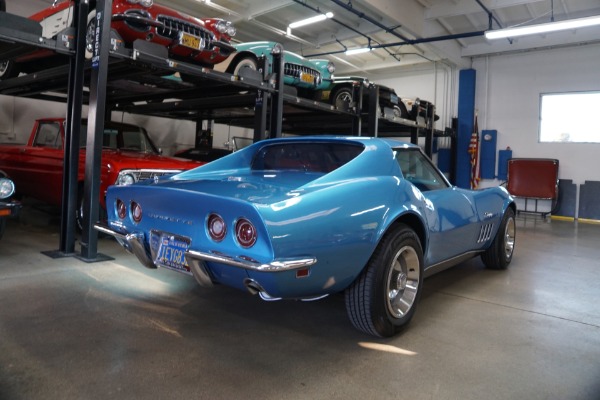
<point x="404" y="35"/>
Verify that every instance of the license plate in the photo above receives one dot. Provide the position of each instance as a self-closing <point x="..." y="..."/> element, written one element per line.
<point x="307" y="78"/>
<point x="171" y="253"/>
<point x="191" y="41"/>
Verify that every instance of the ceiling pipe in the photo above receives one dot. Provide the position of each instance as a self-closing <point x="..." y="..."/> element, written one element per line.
<point x="370" y="39"/>
<point x="490" y="14"/>
<point x="492" y="17"/>
<point x="412" y="42"/>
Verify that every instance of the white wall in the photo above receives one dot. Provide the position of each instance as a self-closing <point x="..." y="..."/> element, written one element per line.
<point x="507" y="97"/>
<point x="432" y="82"/>
<point x="18" y="114"/>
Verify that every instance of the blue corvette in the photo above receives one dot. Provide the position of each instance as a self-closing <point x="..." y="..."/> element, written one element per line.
<point x="301" y="218"/>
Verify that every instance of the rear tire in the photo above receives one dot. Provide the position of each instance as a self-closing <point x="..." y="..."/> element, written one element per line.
<point x="499" y="254"/>
<point x="383" y="299"/>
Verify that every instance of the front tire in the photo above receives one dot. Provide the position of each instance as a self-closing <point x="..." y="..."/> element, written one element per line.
<point x="241" y="64"/>
<point x="383" y="299"/>
<point x="90" y="33"/>
<point x="7" y="69"/>
<point x="499" y="254"/>
<point x="2" y="226"/>
<point x="342" y="98"/>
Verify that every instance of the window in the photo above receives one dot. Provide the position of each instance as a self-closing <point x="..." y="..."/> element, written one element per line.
<point x="48" y="135"/>
<point x="320" y="157"/>
<point x="570" y="117"/>
<point x="418" y="170"/>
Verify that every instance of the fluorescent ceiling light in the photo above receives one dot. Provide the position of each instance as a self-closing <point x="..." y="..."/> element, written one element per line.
<point x="358" y="51"/>
<point x="312" y="20"/>
<point x="543" y="28"/>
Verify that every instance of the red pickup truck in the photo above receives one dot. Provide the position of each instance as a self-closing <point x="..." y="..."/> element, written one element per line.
<point x="128" y="155"/>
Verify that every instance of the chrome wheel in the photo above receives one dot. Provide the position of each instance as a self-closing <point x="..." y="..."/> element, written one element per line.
<point x="403" y="282"/>
<point x="90" y="34"/>
<point x="500" y="253"/>
<point x="342" y="99"/>
<point x="509" y="238"/>
<point x="383" y="298"/>
<point x="3" y="67"/>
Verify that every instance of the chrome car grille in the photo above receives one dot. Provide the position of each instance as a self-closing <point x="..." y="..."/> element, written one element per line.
<point x="173" y="26"/>
<point x="136" y="175"/>
<point x="296" y="70"/>
<point x="486" y="233"/>
<point x="144" y="174"/>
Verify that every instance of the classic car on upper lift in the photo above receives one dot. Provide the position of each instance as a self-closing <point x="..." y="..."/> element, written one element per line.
<point x="304" y="217"/>
<point x="8" y="207"/>
<point x="204" y="41"/>
<point x="340" y="93"/>
<point x="128" y="155"/>
<point x="305" y="75"/>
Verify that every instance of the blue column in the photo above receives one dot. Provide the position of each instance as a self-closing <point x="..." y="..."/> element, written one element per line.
<point x="466" y="118"/>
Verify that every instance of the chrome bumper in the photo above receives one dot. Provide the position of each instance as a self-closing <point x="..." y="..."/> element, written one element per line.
<point x="135" y="244"/>
<point x="9" y="209"/>
<point x="244" y="262"/>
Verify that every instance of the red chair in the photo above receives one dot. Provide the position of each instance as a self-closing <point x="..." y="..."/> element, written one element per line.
<point x="534" y="178"/>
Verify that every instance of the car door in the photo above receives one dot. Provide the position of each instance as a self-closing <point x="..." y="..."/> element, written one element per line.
<point x="42" y="163"/>
<point x="450" y="212"/>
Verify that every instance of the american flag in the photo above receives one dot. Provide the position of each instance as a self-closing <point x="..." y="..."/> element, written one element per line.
<point x="474" y="152"/>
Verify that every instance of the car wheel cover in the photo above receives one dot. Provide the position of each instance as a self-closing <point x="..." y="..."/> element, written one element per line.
<point x="89" y="36"/>
<point x="509" y="238"/>
<point x="3" y="67"/>
<point x="402" y="283"/>
<point x="342" y="98"/>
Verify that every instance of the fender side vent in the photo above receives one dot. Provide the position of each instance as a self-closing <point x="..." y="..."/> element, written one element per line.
<point x="485" y="233"/>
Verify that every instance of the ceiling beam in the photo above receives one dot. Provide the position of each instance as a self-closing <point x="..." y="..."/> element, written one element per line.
<point x="259" y="8"/>
<point x="447" y="9"/>
<point x="409" y="15"/>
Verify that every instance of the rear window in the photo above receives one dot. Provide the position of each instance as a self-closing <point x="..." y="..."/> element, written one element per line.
<point x="313" y="157"/>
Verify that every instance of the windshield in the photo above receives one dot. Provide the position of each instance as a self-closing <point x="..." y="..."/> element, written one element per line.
<point x="126" y="138"/>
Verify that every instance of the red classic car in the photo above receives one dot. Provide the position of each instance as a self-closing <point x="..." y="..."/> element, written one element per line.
<point x="204" y="41"/>
<point x="128" y="156"/>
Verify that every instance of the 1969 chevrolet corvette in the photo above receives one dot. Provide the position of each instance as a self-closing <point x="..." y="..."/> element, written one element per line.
<point x="301" y="218"/>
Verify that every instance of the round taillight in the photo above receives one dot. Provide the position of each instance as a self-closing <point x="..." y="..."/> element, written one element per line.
<point x="121" y="209"/>
<point x="216" y="227"/>
<point x="136" y="212"/>
<point x="245" y="233"/>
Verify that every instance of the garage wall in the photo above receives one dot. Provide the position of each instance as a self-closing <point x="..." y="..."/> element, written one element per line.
<point x="436" y="82"/>
<point x="507" y="97"/>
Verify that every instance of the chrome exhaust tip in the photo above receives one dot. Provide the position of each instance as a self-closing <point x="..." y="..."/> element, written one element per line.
<point x="255" y="288"/>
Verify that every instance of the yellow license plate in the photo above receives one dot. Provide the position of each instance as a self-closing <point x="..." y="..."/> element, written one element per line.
<point x="190" y="41"/>
<point x="307" y="78"/>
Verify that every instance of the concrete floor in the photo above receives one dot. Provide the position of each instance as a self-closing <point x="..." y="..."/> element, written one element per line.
<point x="115" y="330"/>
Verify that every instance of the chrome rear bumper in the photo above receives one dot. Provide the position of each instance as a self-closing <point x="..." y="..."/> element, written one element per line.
<point x="135" y="244"/>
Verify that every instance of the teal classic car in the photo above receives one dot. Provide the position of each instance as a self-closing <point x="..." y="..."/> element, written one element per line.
<point x="298" y="71"/>
<point x="305" y="217"/>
